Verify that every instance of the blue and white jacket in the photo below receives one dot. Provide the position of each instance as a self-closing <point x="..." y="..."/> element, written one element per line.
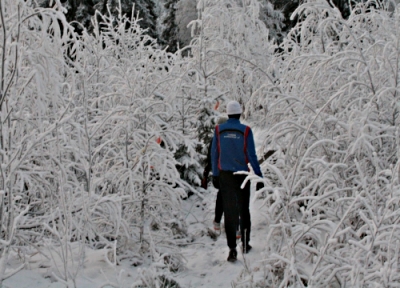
<point x="233" y="148"/>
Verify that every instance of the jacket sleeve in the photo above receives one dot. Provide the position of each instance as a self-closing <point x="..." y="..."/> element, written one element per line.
<point x="214" y="155"/>
<point x="251" y="154"/>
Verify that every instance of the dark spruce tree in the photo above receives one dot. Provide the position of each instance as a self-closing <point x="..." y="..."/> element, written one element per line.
<point x="288" y="6"/>
<point x="170" y="33"/>
<point x="80" y="12"/>
<point x="146" y="10"/>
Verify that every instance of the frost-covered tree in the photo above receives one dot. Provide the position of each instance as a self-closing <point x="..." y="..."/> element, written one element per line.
<point x="333" y="113"/>
<point x="147" y="14"/>
<point x="82" y="163"/>
<point x="232" y="49"/>
<point x="186" y="11"/>
<point x="80" y="13"/>
<point x="273" y="19"/>
<point x="229" y="42"/>
<point x="36" y="104"/>
<point x="129" y="139"/>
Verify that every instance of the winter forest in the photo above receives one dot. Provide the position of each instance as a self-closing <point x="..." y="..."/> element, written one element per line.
<point x="104" y="132"/>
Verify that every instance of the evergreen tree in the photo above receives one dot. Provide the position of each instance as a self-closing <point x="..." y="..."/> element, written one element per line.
<point x="170" y="33"/>
<point x="287" y="7"/>
<point x="145" y="9"/>
<point x="148" y="16"/>
<point x="80" y="13"/>
<point x="273" y="19"/>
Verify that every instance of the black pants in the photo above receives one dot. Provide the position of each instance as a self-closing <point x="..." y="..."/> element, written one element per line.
<point x="236" y="203"/>
<point x="219" y="208"/>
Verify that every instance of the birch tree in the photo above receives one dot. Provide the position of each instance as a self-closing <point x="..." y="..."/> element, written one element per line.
<point x="332" y="208"/>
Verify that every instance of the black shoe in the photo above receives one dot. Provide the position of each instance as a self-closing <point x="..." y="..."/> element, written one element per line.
<point x="246" y="248"/>
<point x="232" y="255"/>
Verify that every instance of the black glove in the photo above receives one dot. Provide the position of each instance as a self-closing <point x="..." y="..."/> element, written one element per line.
<point x="216" y="181"/>
<point x="259" y="186"/>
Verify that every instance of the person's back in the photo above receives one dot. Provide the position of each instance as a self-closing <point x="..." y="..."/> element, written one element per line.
<point x="233" y="147"/>
<point x="234" y="138"/>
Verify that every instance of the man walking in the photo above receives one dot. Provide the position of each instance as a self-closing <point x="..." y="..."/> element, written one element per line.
<point x="232" y="149"/>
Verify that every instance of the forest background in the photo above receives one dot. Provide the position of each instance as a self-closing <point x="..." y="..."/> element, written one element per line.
<point x="106" y="110"/>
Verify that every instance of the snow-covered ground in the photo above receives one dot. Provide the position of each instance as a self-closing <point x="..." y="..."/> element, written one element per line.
<point x="206" y="264"/>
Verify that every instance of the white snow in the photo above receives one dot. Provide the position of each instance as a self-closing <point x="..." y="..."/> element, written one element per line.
<point x="206" y="264"/>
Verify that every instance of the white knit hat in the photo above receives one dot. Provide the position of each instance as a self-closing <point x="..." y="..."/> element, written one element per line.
<point x="233" y="107"/>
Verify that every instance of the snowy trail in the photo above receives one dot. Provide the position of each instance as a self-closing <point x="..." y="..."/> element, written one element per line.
<point x="207" y="265"/>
